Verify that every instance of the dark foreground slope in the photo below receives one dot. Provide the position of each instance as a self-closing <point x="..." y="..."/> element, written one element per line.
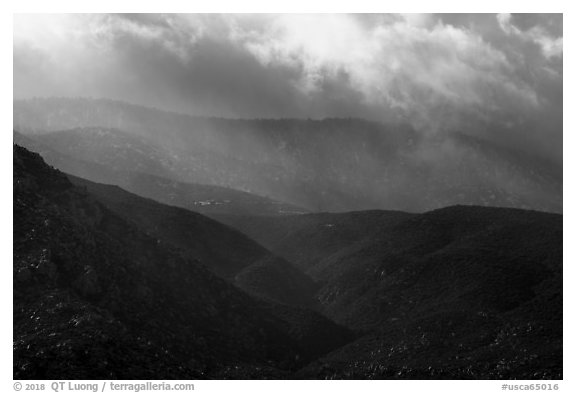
<point x="97" y="297"/>
<point x="460" y="292"/>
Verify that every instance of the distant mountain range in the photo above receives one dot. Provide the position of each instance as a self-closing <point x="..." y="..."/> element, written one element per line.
<point x="207" y="199"/>
<point x="330" y="165"/>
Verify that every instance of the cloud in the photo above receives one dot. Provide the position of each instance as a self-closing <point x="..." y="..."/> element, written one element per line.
<point x="550" y="46"/>
<point x="439" y="72"/>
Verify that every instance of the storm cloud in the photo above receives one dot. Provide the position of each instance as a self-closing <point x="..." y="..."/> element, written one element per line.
<point x="496" y="75"/>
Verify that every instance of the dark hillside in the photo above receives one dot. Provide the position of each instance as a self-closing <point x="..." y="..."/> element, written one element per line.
<point x="462" y="292"/>
<point x="95" y="297"/>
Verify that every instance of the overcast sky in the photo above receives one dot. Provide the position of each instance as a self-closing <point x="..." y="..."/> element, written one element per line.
<point x="495" y="73"/>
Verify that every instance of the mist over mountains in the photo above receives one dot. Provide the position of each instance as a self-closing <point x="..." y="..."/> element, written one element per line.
<point x="318" y="165"/>
<point x="497" y="76"/>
